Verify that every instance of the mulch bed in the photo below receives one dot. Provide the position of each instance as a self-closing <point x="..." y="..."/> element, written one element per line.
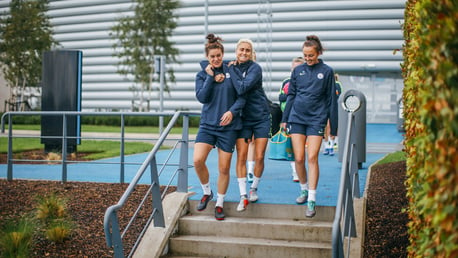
<point x="386" y="222"/>
<point x="386" y="230"/>
<point x="86" y="202"/>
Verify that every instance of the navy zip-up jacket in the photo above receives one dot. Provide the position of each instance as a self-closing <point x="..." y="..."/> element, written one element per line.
<point x="247" y="79"/>
<point x="217" y="99"/>
<point x="312" y="98"/>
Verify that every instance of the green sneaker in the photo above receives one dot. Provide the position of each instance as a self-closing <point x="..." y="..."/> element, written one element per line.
<point x="310" y="211"/>
<point x="303" y="197"/>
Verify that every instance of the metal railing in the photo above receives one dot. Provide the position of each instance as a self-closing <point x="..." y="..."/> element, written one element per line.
<point x="112" y="228"/>
<point x="349" y="189"/>
<point x="64" y="137"/>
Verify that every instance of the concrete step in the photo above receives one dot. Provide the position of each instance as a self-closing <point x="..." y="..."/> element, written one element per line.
<point x="275" y="229"/>
<point x="216" y="246"/>
<point x="263" y="230"/>
<point x="268" y="211"/>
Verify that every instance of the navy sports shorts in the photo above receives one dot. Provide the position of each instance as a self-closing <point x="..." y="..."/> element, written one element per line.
<point x="306" y="129"/>
<point x="224" y="140"/>
<point x="258" y="129"/>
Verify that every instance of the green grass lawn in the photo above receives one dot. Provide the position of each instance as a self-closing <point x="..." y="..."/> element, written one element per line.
<point x="97" y="149"/>
<point x="393" y="157"/>
<point x="109" y="129"/>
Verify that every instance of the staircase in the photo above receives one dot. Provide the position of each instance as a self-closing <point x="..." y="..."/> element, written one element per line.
<point x="263" y="230"/>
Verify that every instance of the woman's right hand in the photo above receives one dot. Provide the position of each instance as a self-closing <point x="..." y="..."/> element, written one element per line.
<point x="283" y="126"/>
<point x="209" y="70"/>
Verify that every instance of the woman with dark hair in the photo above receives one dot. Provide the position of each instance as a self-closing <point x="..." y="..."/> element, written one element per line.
<point x="310" y="103"/>
<point x="220" y="122"/>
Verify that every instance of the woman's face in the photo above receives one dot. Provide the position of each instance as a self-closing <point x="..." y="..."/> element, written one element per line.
<point x="310" y="55"/>
<point x="244" y="52"/>
<point x="215" y="57"/>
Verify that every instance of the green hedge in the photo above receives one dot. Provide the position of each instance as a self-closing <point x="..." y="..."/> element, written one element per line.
<point x="430" y="100"/>
<point x="112" y="120"/>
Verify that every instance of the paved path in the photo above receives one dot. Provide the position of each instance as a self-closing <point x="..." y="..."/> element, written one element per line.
<point x="276" y="186"/>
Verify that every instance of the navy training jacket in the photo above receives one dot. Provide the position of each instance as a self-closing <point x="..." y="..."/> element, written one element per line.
<point x="247" y="79"/>
<point x="312" y="98"/>
<point x="217" y="99"/>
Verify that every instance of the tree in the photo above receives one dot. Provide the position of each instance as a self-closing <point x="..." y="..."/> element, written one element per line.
<point x="24" y="34"/>
<point x="142" y="36"/>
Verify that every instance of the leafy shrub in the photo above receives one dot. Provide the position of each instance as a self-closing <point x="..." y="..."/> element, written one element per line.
<point x="430" y="97"/>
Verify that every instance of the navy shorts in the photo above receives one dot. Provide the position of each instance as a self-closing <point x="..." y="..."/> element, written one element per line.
<point x="258" y="129"/>
<point x="224" y="140"/>
<point x="306" y="129"/>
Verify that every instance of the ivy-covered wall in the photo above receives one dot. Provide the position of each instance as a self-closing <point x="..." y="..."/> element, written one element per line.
<point x="430" y="96"/>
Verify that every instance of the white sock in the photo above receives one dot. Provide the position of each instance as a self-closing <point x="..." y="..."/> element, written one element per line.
<point x="250" y="167"/>
<point x="304" y="186"/>
<point x="255" y="182"/>
<point x="331" y="143"/>
<point x="293" y="166"/>
<point x="242" y="185"/>
<point x="312" y="195"/>
<point x="220" y="199"/>
<point x="206" y="188"/>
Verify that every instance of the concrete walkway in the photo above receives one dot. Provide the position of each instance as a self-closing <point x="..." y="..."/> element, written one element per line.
<point x="276" y="186"/>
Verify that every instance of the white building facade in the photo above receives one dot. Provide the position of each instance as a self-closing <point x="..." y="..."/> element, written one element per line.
<point x="361" y="39"/>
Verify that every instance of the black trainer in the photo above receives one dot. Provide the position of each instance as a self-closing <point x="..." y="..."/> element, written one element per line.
<point x="204" y="201"/>
<point x="219" y="213"/>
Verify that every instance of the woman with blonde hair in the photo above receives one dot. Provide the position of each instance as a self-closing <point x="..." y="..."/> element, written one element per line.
<point x="246" y="76"/>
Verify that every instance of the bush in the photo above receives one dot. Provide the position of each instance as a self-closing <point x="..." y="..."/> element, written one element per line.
<point x="430" y="101"/>
<point x="16" y="237"/>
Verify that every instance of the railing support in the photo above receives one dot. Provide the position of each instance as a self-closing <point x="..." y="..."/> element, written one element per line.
<point x="158" y="211"/>
<point x="9" y="161"/>
<point x="182" y="185"/>
<point x="64" y="148"/>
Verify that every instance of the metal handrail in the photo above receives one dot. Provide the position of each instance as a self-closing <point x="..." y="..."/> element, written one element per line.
<point x="111" y="224"/>
<point x="113" y="234"/>
<point x="349" y="189"/>
<point x="64" y="137"/>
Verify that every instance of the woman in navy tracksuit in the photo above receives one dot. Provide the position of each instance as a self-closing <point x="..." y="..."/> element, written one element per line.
<point x="247" y="78"/>
<point x="311" y="102"/>
<point x="220" y="122"/>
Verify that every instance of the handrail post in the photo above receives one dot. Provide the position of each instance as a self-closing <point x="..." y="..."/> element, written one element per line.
<point x="182" y="185"/>
<point x="156" y="195"/>
<point x="116" y="236"/>
<point x="10" y="149"/>
<point x="64" y="148"/>
<point x="121" y="176"/>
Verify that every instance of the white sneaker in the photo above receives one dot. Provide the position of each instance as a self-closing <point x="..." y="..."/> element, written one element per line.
<point x="243" y="203"/>
<point x="303" y="197"/>
<point x="295" y="177"/>
<point x="253" y="194"/>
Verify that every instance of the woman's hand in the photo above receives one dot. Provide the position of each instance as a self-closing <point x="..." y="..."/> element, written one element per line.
<point x="226" y="118"/>
<point x="219" y="77"/>
<point x="283" y="126"/>
<point x="209" y="70"/>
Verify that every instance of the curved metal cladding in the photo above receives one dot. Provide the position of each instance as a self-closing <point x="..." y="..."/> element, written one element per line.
<point x="359" y="37"/>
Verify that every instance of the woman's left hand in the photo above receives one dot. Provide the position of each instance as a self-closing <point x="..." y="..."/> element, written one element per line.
<point x="226" y="118"/>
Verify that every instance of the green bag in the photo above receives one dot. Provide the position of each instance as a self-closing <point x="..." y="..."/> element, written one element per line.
<point x="280" y="146"/>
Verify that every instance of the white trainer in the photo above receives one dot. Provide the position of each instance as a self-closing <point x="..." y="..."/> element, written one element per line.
<point x="243" y="203"/>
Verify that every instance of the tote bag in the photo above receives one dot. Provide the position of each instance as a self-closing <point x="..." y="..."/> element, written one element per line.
<point x="280" y="146"/>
